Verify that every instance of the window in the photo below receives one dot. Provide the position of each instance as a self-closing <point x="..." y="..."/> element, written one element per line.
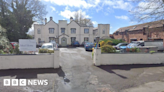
<point x="86" y="39"/>
<point x="103" y="31"/>
<point x="38" y="31"/>
<point x="86" y="31"/>
<point x="51" y="30"/>
<point x="73" y="30"/>
<point x="63" y="30"/>
<point x="73" y="39"/>
<point x="39" y="40"/>
<point x="51" y="39"/>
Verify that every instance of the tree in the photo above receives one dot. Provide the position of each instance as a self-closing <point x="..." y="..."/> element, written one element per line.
<point x="79" y="18"/>
<point x="17" y="16"/>
<point x="148" y="10"/>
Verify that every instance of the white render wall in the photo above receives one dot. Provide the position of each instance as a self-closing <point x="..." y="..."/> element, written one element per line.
<point x="63" y="24"/>
<point x="121" y="59"/>
<point x="29" y="61"/>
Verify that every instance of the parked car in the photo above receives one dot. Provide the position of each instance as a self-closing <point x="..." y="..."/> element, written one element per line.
<point x="76" y="43"/>
<point x="134" y="44"/>
<point x="83" y="43"/>
<point x="48" y="46"/>
<point x="157" y="43"/>
<point x="88" y="46"/>
<point x="120" y="44"/>
<point x="55" y="45"/>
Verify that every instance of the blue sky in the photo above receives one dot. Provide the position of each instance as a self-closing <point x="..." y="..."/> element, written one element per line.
<point x="113" y="12"/>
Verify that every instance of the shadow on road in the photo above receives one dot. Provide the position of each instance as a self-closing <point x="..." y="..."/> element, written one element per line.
<point x="110" y="68"/>
<point x="30" y="73"/>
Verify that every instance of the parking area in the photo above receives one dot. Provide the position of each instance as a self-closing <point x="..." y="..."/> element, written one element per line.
<point x="78" y="74"/>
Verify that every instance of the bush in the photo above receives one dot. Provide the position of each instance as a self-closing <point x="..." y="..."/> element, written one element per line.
<point x="132" y="50"/>
<point x="151" y="52"/>
<point x="50" y="51"/>
<point x="108" y="42"/>
<point x="113" y="41"/>
<point x="16" y="50"/>
<point x="102" y="43"/>
<point x="43" y="50"/>
<point x="108" y="49"/>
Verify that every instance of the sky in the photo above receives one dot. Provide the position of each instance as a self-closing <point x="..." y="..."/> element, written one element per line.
<point x="113" y="12"/>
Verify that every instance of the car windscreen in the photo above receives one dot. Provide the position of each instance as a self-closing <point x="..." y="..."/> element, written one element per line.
<point x="119" y="44"/>
<point x="90" y="44"/>
<point x="46" y="46"/>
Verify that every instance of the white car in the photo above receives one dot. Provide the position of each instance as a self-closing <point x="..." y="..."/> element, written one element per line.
<point x="48" y="46"/>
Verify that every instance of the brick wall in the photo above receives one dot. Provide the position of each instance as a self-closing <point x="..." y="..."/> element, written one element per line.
<point x="153" y="33"/>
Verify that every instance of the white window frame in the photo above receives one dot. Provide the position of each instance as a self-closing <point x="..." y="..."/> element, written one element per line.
<point x="63" y="30"/>
<point x="86" y="30"/>
<point x="103" y="31"/>
<point x="73" y="30"/>
<point x="38" y="31"/>
<point x="86" y="38"/>
<point x="51" y="30"/>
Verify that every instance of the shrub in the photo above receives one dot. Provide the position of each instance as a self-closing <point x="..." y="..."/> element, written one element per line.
<point x="113" y="41"/>
<point x="108" y="49"/>
<point x="50" y="51"/>
<point x="43" y="50"/>
<point x="108" y="42"/>
<point x="16" y="50"/>
<point x="151" y="52"/>
<point x="127" y="50"/>
<point x="102" y="43"/>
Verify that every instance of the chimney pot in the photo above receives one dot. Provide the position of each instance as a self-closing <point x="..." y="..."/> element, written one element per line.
<point x="50" y="18"/>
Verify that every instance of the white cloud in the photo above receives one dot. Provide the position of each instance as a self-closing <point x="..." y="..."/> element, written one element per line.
<point x="122" y="17"/>
<point x="118" y="4"/>
<point x="53" y="8"/>
<point x="94" y="22"/>
<point x="67" y="13"/>
<point x="75" y="3"/>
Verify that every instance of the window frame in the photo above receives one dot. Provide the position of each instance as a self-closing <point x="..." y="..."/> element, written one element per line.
<point x="62" y="30"/>
<point x="85" y="31"/>
<point x="51" y="31"/>
<point x="38" y="31"/>
<point x="85" y="38"/>
<point x="73" y="31"/>
<point x="103" y="31"/>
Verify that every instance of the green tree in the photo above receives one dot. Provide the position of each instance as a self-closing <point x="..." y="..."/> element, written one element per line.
<point x="17" y="16"/>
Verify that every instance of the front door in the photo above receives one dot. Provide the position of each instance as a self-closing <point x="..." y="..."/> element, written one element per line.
<point x="63" y="41"/>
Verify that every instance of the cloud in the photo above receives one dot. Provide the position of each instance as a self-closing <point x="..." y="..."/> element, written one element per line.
<point x="94" y="22"/>
<point x="118" y="4"/>
<point x="122" y="17"/>
<point x="67" y="13"/>
<point x="75" y="3"/>
<point x="53" y="8"/>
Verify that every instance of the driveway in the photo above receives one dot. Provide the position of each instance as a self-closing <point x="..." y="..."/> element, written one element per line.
<point x="83" y="76"/>
<point x="78" y="74"/>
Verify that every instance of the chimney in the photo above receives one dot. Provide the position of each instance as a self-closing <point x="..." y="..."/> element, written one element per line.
<point x="45" y="20"/>
<point x="50" y="18"/>
<point x="71" y="19"/>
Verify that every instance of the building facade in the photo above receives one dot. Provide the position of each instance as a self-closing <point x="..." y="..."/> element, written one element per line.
<point x="146" y="31"/>
<point x="65" y="33"/>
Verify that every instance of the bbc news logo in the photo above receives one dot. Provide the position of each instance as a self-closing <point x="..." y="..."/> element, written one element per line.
<point x="23" y="82"/>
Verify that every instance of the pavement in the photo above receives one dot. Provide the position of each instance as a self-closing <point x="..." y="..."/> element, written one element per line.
<point x="78" y="74"/>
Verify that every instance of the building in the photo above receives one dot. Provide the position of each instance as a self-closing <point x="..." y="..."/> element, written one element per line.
<point x="65" y="33"/>
<point x="147" y="31"/>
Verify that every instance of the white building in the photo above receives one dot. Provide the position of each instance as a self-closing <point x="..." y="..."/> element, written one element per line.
<point x="64" y="34"/>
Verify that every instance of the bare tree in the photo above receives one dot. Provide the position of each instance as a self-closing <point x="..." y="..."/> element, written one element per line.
<point x="148" y="10"/>
<point x="79" y="18"/>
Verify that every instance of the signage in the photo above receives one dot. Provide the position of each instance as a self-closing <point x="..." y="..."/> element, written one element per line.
<point x="27" y="45"/>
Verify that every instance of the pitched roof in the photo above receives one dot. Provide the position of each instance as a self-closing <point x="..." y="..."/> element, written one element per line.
<point x="141" y="26"/>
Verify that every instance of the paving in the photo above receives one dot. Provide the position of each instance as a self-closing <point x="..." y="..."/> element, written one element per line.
<point x="78" y="74"/>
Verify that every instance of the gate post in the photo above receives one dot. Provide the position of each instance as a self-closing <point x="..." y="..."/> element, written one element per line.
<point x="56" y="58"/>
